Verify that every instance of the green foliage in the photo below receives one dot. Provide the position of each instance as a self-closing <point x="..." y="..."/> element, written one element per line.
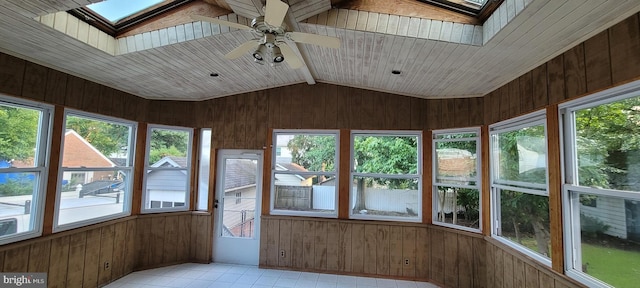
<point x="470" y="200"/>
<point x="107" y="137"/>
<point x="394" y="155"/>
<point x="16" y="187"/>
<point x="168" y="143"/>
<point x="157" y="154"/>
<point x="18" y="132"/>
<point x="313" y="151"/>
<point x="592" y="226"/>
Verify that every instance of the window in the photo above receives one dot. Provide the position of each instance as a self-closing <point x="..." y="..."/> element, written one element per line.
<point x="386" y="176"/>
<point x="520" y="202"/>
<point x="96" y="170"/>
<point x="456" y="178"/>
<point x="168" y="167"/>
<point x="304" y="177"/>
<point x="238" y="197"/>
<point x="480" y="9"/>
<point x="204" y="170"/>
<point x="602" y="192"/>
<point x="24" y="135"/>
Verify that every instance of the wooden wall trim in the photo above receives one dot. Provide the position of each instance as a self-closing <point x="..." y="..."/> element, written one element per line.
<point x="266" y="175"/>
<point x="138" y="169"/>
<point x="486" y="181"/>
<point x="345" y="173"/>
<point x="555" y="188"/>
<point x="195" y="165"/>
<point x="427" y="177"/>
<point x="55" y="153"/>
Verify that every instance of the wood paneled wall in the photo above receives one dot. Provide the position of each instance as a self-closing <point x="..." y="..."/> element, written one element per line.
<point x="76" y="258"/>
<point x="608" y="59"/>
<point x="397" y="250"/>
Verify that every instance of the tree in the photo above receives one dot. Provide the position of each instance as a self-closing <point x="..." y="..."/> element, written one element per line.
<point x="314" y="153"/>
<point x="168" y="143"/>
<point x="108" y="138"/>
<point x="19" y="133"/>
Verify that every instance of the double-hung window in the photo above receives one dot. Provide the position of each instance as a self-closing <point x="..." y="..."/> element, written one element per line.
<point x="520" y="199"/>
<point x="601" y="140"/>
<point x="95" y="178"/>
<point x="386" y="176"/>
<point x="167" y="178"/>
<point x="24" y="134"/>
<point x="304" y="173"/>
<point x="456" y="178"/>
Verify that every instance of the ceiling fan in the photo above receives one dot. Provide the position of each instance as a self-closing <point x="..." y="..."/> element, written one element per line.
<point x="270" y="45"/>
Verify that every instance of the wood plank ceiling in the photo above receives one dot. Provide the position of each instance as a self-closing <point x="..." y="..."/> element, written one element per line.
<point x="438" y="59"/>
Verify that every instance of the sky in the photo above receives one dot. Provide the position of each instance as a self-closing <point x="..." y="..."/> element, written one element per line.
<point x="115" y="10"/>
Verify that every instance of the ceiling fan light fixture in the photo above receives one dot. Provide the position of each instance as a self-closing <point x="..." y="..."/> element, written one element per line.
<point x="276" y="54"/>
<point x="259" y="53"/>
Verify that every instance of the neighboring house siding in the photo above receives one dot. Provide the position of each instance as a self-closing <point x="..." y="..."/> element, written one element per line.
<point x="611" y="211"/>
<point x="233" y="212"/>
<point x="166" y="181"/>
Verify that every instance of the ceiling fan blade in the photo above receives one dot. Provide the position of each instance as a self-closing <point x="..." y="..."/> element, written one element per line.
<point x="221" y="22"/>
<point x="320" y="40"/>
<point x="242" y="49"/>
<point x="291" y="57"/>
<point x="275" y="12"/>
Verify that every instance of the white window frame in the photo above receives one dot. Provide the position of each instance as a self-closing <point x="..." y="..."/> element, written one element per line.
<point x="204" y="171"/>
<point x="127" y="197"/>
<point x="41" y="167"/>
<point x="336" y="173"/>
<point x="148" y="168"/>
<point x="477" y="179"/>
<point x="536" y="118"/>
<point x="353" y="174"/>
<point x="570" y="186"/>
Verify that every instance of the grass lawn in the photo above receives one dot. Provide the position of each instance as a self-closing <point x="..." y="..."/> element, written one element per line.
<point x="619" y="268"/>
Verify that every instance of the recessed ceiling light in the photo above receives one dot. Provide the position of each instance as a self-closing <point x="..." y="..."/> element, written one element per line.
<point x="396" y="72"/>
<point x="214" y="74"/>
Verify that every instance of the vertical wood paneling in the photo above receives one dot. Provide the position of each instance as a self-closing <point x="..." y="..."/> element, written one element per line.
<point x="555" y="78"/>
<point x="518" y="273"/>
<point x="119" y="250"/>
<point x="370" y="253"/>
<point x="158" y="237"/>
<point x="77" y="249"/>
<point x="465" y="261"/>
<point x="308" y="245"/>
<point x="345" y="247"/>
<point x="437" y="257"/>
<point x="423" y="253"/>
<point x="395" y="250"/>
<point x="264" y="235"/>
<point x="490" y="264"/>
<point x="574" y="72"/>
<point x="409" y="251"/>
<point x="92" y="258"/>
<point x="451" y="259"/>
<point x="284" y="243"/>
<point x="56" y="87"/>
<point x="344" y="108"/>
<point x="240" y="121"/>
<point x="526" y="92"/>
<point x="297" y="244"/>
<point x="333" y="246"/>
<point x="357" y="248"/>
<point x="330" y="118"/>
<point x="15" y="260"/>
<point x="57" y="276"/>
<point x="514" y="97"/>
<point x="170" y="253"/>
<point x="143" y="232"/>
<point x="11" y="74"/>
<point x="34" y="82"/>
<point x="531" y="276"/>
<point x="320" y="245"/>
<point x="507" y="270"/>
<point x="39" y="255"/>
<point x="479" y="263"/>
<point x="106" y="255"/>
<point x="131" y="252"/>
<point x="498" y="268"/>
<point x="539" y="79"/>
<point x="272" y="243"/>
<point x="597" y="61"/>
<point x="75" y="92"/>
<point x="624" y="40"/>
<point x="382" y="250"/>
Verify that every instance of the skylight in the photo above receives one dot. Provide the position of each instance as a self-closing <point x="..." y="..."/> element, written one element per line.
<point x="474" y="8"/>
<point x="115" y="10"/>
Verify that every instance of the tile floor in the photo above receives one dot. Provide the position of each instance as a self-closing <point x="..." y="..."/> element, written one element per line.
<point x="216" y="275"/>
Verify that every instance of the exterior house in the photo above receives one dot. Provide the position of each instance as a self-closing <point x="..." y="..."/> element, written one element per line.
<point x="166" y="188"/>
<point x="80" y="153"/>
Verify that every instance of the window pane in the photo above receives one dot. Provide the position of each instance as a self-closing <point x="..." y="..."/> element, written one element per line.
<point x="458" y="206"/>
<point x="524" y="219"/>
<point x="238" y="217"/>
<point x="304" y="152"/>
<point x="456" y="162"/>
<point x="91" y="194"/>
<point x="167" y="144"/>
<point x="95" y="143"/>
<point x="304" y="193"/>
<point x="609" y="240"/>
<point x="386" y="197"/>
<point x="607" y="145"/>
<point x="521" y="155"/>
<point x="166" y="186"/>
<point x="386" y="154"/>
<point x="203" y="172"/>
<point x="17" y="202"/>
<point x="19" y="129"/>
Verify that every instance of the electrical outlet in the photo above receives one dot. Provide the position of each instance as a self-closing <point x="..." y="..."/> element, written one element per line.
<point x="406" y="261"/>
<point x="106" y="265"/>
<point x="282" y="254"/>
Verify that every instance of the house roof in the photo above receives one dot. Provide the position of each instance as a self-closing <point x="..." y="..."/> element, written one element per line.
<point x="78" y="152"/>
<point x="438" y="56"/>
<point x="239" y="173"/>
<point x="171" y="161"/>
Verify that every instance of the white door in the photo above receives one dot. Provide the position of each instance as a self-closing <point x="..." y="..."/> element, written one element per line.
<point x="237" y="219"/>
